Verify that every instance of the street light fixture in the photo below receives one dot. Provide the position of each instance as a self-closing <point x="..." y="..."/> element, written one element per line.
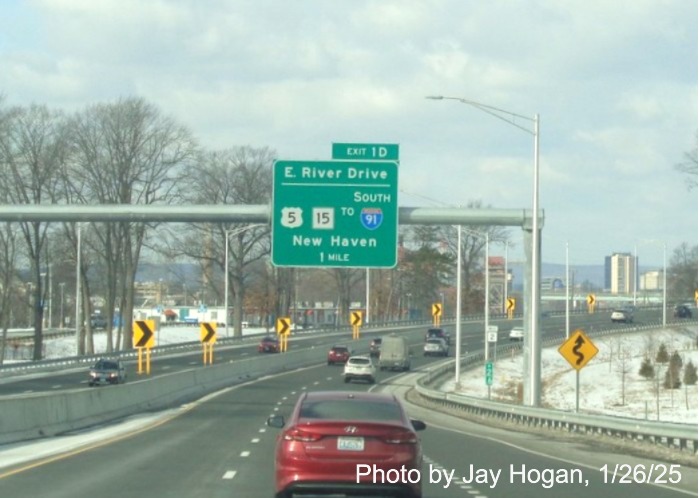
<point x="532" y="386"/>
<point x="229" y="233"/>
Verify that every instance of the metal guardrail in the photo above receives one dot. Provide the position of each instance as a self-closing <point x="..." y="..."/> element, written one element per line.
<point x="26" y="367"/>
<point x="679" y="436"/>
<point x="683" y="437"/>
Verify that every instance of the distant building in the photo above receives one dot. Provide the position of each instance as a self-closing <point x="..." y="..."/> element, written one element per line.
<point x="652" y="280"/>
<point x="620" y="273"/>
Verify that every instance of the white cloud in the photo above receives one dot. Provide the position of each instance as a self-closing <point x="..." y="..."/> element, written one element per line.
<point x="615" y="84"/>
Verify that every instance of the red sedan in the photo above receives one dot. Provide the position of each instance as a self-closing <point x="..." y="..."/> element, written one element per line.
<point x="348" y="442"/>
<point x="338" y="354"/>
<point x="269" y="345"/>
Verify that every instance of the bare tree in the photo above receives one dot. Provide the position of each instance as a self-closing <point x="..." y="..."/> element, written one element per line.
<point x="8" y="276"/>
<point x="33" y="148"/>
<point x="689" y="167"/>
<point x="624" y="366"/>
<point x="239" y="175"/>
<point x="345" y="279"/>
<point x="125" y="152"/>
<point x="472" y="254"/>
<point x="683" y="272"/>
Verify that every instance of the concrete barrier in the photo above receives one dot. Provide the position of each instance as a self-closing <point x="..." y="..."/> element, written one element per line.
<point x="30" y="416"/>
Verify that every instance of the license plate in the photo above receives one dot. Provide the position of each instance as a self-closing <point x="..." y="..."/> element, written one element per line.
<point x="351" y="443"/>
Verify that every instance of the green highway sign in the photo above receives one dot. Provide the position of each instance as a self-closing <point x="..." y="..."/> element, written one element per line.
<point x="489" y="373"/>
<point x="366" y="152"/>
<point x="335" y="214"/>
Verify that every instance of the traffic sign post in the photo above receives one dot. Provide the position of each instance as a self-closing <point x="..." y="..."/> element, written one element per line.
<point x="356" y="322"/>
<point x="488" y="376"/>
<point x="578" y="350"/>
<point x="510" y="307"/>
<point x="437" y="313"/>
<point x="207" y="336"/>
<point x="489" y="373"/>
<point x="143" y="337"/>
<point x="283" y="327"/>
<point x="335" y="214"/>
<point x="590" y="299"/>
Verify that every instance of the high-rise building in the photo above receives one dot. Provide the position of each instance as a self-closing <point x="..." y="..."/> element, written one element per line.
<point x="620" y="273"/>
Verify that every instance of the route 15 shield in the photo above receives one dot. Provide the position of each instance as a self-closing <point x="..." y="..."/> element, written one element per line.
<point x="371" y="218"/>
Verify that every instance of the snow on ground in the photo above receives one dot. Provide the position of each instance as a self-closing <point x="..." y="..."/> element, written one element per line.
<point x="601" y="380"/>
<point x="64" y="347"/>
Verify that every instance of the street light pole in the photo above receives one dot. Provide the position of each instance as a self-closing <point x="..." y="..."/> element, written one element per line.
<point x="664" y="295"/>
<point x="531" y="394"/>
<point x="487" y="295"/>
<point x="78" y="251"/>
<point x="458" y="311"/>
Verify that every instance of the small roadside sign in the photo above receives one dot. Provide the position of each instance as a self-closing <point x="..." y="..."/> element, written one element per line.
<point x="578" y="350"/>
<point x="144" y="333"/>
<point x="207" y="332"/>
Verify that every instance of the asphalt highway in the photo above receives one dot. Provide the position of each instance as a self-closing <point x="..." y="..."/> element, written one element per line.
<point x="472" y="340"/>
<point x="221" y="447"/>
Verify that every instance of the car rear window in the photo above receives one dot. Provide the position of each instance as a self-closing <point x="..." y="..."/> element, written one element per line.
<point x="350" y="409"/>
<point x="359" y="361"/>
<point x="337" y="349"/>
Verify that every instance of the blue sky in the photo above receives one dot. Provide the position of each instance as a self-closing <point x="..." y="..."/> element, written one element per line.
<point x="614" y="84"/>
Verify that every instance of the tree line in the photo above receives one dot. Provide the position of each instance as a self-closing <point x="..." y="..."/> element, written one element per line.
<point x="128" y="152"/>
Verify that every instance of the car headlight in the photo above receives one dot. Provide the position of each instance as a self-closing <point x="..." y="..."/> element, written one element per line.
<point x="93" y="373"/>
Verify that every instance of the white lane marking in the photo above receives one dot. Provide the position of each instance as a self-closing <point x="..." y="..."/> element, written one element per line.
<point x="276" y="408"/>
<point x="255" y="440"/>
<point x="57" y="386"/>
<point x="261" y="430"/>
<point x="245" y="453"/>
<point x="284" y="398"/>
<point x="229" y="474"/>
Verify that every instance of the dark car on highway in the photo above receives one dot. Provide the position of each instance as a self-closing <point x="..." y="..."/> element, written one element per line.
<point x="437" y="333"/>
<point x="375" y="346"/>
<point x="269" y="344"/>
<point x="334" y="440"/>
<point x="107" y="372"/>
<point x="682" y="311"/>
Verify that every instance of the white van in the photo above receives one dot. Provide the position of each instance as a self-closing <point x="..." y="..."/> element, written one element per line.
<point x="395" y="353"/>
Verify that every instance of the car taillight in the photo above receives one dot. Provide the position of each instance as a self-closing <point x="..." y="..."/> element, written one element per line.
<point x="406" y="437"/>
<point x="299" y="435"/>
